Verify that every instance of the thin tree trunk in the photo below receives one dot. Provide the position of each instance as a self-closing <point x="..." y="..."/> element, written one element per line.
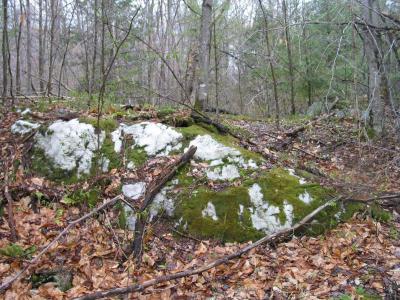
<point x="28" y="48"/>
<point x="41" y="48"/>
<point x="65" y="52"/>
<point x="18" y="50"/>
<point x="240" y="89"/>
<point x="374" y="65"/>
<point x="290" y="60"/>
<point x="216" y="63"/>
<point x="53" y="7"/>
<point x="9" y="69"/>
<point x="94" y="58"/>
<point x="204" y="55"/>
<point x="4" y="48"/>
<point x="271" y="65"/>
<point x="353" y="58"/>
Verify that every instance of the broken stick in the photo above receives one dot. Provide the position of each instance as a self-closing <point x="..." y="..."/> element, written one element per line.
<point x="141" y="219"/>
<point x="223" y="260"/>
<point x="294" y="132"/>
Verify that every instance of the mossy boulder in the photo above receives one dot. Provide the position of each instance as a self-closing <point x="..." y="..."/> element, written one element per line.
<point x="226" y="192"/>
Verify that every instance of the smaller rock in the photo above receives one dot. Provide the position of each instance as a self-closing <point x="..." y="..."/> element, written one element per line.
<point x="23" y="127"/>
<point x="210" y="149"/>
<point x="162" y="203"/>
<point x="306" y="197"/>
<point x="227" y="172"/>
<point x="209" y="211"/>
<point x="134" y="191"/>
<point x="26" y="112"/>
<point x="105" y="162"/>
<point x="155" y="138"/>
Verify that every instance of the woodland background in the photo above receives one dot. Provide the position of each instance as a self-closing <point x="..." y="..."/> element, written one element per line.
<point x="263" y="58"/>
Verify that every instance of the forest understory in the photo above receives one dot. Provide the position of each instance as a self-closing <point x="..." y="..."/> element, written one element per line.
<point x="359" y="258"/>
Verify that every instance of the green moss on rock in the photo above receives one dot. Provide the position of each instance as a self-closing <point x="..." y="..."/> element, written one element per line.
<point x="137" y="155"/>
<point x="107" y="124"/>
<point x="234" y="207"/>
<point x="229" y="226"/>
<point x="43" y="166"/>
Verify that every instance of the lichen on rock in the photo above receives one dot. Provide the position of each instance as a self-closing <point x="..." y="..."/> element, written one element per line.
<point x="23" y="127"/>
<point x="154" y="138"/>
<point x="209" y="149"/>
<point x="70" y="145"/>
<point x="227" y="172"/>
<point x="134" y="191"/>
<point x="265" y="216"/>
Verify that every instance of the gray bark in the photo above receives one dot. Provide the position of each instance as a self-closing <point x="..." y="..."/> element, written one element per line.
<point x="4" y="48"/>
<point x="28" y="47"/>
<point x="53" y="7"/>
<point x="290" y="60"/>
<point x="204" y="54"/>
<point x="41" y="47"/>
<point x="373" y="55"/>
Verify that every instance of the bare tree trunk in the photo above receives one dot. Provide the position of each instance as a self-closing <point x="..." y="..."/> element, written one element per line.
<point x="66" y="51"/>
<point x="41" y="48"/>
<point x="375" y="67"/>
<point x="190" y="74"/>
<point x="9" y="69"/>
<point x="150" y="8"/>
<point x="103" y="32"/>
<point x="18" y="50"/>
<point x="290" y="60"/>
<point x="53" y="7"/>
<point x="94" y="58"/>
<point x="204" y="54"/>
<point x="240" y="89"/>
<point x="353" y="58"/>
<point x="4" y="48"/>
<point x="216" y="64"/>
<point x="29" y="48"/>
<point x="306" y="55"/>
<point x="271" y="65"/>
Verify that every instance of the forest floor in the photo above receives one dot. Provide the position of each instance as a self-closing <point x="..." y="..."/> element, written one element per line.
<point x="360" y="259"/>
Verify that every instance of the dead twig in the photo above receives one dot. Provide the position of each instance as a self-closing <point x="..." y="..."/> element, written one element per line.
<point x="374" y="199"/>
<point x="151" y="192"/>
<point x="295" y="132"/>
<point x="223" y="260"/>
<point x="5" y="285"/>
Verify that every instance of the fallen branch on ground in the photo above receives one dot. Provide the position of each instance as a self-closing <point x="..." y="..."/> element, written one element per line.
<point x="151" y="192"/>
<point x="295" y="132"/>
<point x="223" y="260"/>
<point x="374" y="199"/>
<point x="5" y="285"/>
